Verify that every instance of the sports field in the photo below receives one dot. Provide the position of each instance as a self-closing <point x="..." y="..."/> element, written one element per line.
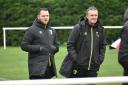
<point x="13" y="63"/>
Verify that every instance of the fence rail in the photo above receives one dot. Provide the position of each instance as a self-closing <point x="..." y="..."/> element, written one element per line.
<point x="24" y="28"/>
<point x="67" y="81"/>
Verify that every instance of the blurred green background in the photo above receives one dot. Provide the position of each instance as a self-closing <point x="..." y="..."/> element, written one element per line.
<point x="21" y="13"/>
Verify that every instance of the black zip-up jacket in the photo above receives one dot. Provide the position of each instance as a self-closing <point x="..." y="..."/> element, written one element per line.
<point x="41" y="43"/>
<point x="87" y="49"/>
<point x="123" y="50"/>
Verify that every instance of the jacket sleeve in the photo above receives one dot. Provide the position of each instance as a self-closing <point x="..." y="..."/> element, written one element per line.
<point x="123" y="50"/>
<point x="26" y="43"/>
<point x="72" y="41"/>
<point x="102" y="46"/>
<point x="56" y="43"/>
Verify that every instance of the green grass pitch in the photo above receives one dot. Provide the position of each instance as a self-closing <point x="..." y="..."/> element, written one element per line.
<point x="13" y="63"/>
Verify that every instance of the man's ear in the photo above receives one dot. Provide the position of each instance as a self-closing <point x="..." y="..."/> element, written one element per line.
<point x="86" y="16"/>
<point x="37" y="16"/>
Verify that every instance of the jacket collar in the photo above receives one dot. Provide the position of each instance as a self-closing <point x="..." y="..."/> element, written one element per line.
<point x="40" y="24"/>
<point x="126" y="15"/>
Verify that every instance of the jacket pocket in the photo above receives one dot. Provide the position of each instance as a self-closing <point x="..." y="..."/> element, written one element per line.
<point x="38" y="68"/>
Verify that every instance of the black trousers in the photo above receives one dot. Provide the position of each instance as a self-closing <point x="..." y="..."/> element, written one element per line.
<point x="125" y="74"/>
<point x="48" y="74"/>
<point x="82" y="73"/>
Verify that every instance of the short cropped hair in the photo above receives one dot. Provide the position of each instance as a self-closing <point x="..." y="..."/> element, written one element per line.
<point x="91" y="8"/>
<point x="40" y="9"/>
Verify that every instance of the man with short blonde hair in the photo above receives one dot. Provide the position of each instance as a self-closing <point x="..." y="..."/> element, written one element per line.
<point x="86" y="47"/>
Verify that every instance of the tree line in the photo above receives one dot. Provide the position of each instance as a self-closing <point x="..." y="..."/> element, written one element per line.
<point x="22" y="13"/>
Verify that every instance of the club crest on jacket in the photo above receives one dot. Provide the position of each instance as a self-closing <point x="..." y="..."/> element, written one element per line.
<point x="40" y="32"/>
<point x="50" y="31"/>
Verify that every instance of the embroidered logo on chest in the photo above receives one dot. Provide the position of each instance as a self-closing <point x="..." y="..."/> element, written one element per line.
<point x="97" y="34"/>
<point x="50" y="31"/>
<point x="85" y="33"/>
<point x="40" y="32"/>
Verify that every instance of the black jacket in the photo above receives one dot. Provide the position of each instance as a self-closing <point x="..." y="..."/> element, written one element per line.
<point x="87" y="47"/>
<point x="123" y="50"/>
<point x="41" y="44"/>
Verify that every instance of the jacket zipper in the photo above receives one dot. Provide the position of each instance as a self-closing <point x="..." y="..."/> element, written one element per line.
<point x="90" y="58"/>
<point x="45" y="26"/>
<point x="49" y="61"/>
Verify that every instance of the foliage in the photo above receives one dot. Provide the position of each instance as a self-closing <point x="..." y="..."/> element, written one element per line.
<point x="21" y="13"/>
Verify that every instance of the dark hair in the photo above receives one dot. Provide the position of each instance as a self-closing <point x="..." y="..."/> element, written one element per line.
<point x="40" y="9"/>
<point x="91" y="8"/>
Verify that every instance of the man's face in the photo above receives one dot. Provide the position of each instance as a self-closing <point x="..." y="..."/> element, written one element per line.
<point x="92" y="16"/>
<point x="43" y="16"/>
